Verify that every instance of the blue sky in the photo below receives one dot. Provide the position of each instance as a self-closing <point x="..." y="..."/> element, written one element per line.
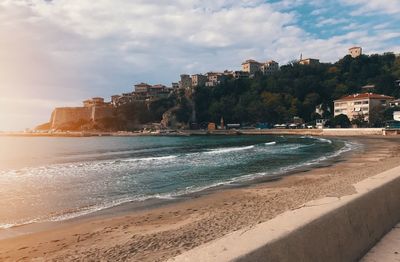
<point x="60" y="52"/>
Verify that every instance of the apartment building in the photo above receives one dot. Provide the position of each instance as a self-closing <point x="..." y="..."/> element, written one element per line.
<point x="360" y="104"/>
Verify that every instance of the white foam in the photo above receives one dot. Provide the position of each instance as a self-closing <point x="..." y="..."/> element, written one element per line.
<point x="270" y="143"/>
<point x="228" y="149"/>
<point x="148" y="158"/>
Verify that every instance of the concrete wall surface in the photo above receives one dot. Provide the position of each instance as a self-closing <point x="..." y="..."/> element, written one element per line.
<point x="69" y="114"/>
<point x="328" y="229"/>
<point x="352" y="131"/>
<point x="318" y="132"/>
<point x="65" y="115"/>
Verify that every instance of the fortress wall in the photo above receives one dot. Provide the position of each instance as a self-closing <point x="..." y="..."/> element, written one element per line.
<point x="69" y="114"/>
<point x="64" y="115"/>
<point x="101" y="112"/>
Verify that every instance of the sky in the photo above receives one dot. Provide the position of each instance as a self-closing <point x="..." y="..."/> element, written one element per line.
<point x="56" y="53"/>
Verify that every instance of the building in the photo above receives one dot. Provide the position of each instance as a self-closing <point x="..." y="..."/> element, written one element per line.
<point x="309" y="61"/>
<point x="215" y="78"/>
<point x="355" y="51"/>
<point x="251" y="66"/>
<point x="240" y="74"/>
<point x="142" y="88"/>
<point x="145" y="91"/>
<point x="93" y="110"/>
<point x="199" y="80"/>
<point x="360" y="105"/>
<point x="269" y="67"/>
<point x="186" y="81"/>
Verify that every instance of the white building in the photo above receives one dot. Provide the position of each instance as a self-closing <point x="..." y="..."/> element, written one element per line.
<point x="360" y="104"/>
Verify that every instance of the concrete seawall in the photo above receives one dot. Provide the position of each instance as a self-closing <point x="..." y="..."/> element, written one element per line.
<point x="318" y="132"/>
<point x="328" y="229"/>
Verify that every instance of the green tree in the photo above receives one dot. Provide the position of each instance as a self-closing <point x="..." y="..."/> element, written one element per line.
<point x="341" y="121"/>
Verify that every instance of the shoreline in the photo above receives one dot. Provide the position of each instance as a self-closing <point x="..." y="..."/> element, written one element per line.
<point x="177" y="220"/>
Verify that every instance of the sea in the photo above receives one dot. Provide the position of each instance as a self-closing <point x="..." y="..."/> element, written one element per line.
<point x="46" y="179"/>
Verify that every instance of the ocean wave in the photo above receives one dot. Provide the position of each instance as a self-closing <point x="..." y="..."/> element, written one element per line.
<point x="228" y="149"/>
<point x="147" y="159"/>
<point x="70" y="214"/>
<point x="324" y="140"/>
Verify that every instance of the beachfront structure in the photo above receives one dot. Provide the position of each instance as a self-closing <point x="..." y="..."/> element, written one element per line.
<point x="252" y="66"/>
<point x="355" y="51"/>
<point x="199" y="80"/>
<point x="360" y="105"/>
<point x="309" y="61"/>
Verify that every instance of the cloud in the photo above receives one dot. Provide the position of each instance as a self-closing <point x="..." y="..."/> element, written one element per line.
<point x="364" y="7"/>
<point x="68" y="50"/>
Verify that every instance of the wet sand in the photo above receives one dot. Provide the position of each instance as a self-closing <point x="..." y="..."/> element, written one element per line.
<point x="160" y="233"/>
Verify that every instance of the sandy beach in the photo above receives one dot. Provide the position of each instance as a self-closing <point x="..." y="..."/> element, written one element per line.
<point x="160" y="233"/>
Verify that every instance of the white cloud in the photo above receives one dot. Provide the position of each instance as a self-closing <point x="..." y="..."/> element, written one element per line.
<point x="67" y="50"/>
<point x="374" y="6"/>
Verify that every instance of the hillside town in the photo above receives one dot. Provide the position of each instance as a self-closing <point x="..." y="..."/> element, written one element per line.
<point x="358" y="108"/>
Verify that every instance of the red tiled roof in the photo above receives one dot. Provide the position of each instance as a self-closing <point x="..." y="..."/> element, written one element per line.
<point x="364" y="96"/>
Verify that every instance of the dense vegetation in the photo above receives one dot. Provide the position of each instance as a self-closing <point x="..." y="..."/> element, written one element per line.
<point x="296" y="90"/>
